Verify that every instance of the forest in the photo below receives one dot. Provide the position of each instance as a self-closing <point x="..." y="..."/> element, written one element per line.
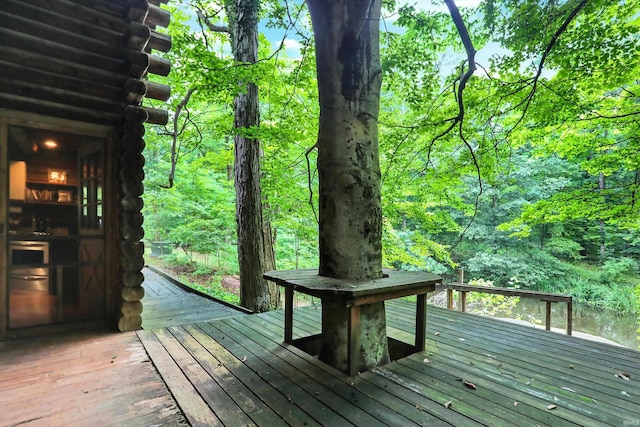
<point x="512" y="153"/>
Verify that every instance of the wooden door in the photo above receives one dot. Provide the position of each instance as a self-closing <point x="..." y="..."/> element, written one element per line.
<point x="91" y="206"/>
<point x="4" y="189"/>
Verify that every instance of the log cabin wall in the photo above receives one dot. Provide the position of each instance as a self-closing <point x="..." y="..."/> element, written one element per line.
<point x="87" y="61"/>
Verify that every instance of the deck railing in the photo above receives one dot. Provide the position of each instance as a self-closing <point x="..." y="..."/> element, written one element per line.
<point x="548" y="298"/>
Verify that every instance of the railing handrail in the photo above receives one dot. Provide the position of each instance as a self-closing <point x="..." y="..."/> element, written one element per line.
<point x="547" y="297"/>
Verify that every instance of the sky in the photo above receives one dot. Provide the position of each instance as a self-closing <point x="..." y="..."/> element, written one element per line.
<point x="439" y="5"/>
<point x="292" y="46"/>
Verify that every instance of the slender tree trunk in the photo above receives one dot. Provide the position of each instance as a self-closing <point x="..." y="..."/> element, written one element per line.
<point x="349" y="79"/>
<point x="603" y="237"/>
<point x="601" y="186"/>
<point x="253" y="288"/>
<point x="270" y="261"/>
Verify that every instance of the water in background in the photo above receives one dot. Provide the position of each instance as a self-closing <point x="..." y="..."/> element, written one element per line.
<point x="618" y="328"/>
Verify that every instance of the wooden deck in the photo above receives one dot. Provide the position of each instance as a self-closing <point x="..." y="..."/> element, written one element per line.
<point x="93" y="378"/>
<point x="167" y="303"/>
<point x="235" y="371"/>
<point x="98" y="378"/>
<point x="475" y="371"/>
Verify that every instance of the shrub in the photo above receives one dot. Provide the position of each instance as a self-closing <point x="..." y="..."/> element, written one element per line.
<point x="490" y="304"/>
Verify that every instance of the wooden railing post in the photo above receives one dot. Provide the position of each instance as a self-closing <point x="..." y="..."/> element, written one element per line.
<point x="463" y="301"/>
<point x="288" y="315"/>
<point x="548" y="298"/>
<point x="569" y="316"/>
<point x="548" y="316"/>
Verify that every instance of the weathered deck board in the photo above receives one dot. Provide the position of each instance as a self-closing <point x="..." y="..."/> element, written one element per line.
<point x="487" y="408"/>
<point x="368" y="396"/>
<point x="517" y="371"/>
<point x="236" y="371"/>
<point x="166" y="304"/>
<point x="327" y="391"/>
<point x="195" y="409"/>
<point x="82" y="379"/>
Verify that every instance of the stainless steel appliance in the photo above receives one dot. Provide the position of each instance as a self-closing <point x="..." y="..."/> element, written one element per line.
<point x="27" y="265"/>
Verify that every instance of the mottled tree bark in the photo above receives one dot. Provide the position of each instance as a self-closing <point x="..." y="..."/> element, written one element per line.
<point x="254" y="292"/>
<point x="349" y="79"/>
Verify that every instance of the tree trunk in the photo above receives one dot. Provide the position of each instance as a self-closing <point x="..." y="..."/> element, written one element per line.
<point x="603" y="236"/>
<point x="349" y="79"/>
<point x="270" y="261"/>
<point x="254" y="293"/>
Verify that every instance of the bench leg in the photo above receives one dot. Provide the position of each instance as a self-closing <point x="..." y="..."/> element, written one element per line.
<point x="569" y="317"/>
<point x="421" y="321"/>
<point x="450" y="299"/>
<point x="548" y="316"/>
<point x="353" y="355"/>
<point x="463" y="301"/>
<point x="288" y="315"/>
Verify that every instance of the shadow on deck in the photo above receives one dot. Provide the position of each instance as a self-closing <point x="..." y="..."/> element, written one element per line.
<point x="475" y="371"/>
<point x="89" y="378"/>
<point x="167" y="302"/>
<point x="236" y="371"/>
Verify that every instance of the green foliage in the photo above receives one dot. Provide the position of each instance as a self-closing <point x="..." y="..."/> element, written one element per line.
<point x="536" y="188"/>
<point x="619" y="268"/>
<point x="490" y="304"/>
<point x="564" y="248"/>
<point x="637" y="294"/>
<point x="199" y="277"/>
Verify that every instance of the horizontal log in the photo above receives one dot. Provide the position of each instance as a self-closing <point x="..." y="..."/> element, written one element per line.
<point x="137" y="64"/>
<point x="80" y="26"/>
<point x="158" y="91"/>
<point x="132" y="263"/>
<point x="138" y="36"/>
<point x="61" y="111"/>
<point x="134" y="129"/>
<point x="129" y="323"/>
<point x="63" y="36"/>
<point x="132" y="294"/>
<point x="132" y="278"/>
<point x="136" y="90"/>
<point x="132" y="219"/>
<point x="135" y="114"/>
<point x="110" y="18"/>
<point x="137" y="10"/>
<point x="132" y="161"/>
<point x="29" y="59"/>
<point x="157" y="116"/>
<point x="47" y="48"/>
<point x="133" y="204"/>
<point x="130" y="142"/>
<point x="139" y="89"/>
<point x="159" y="66"/>
<point x="98" y="91"/>
<point x="65" y="97"/>
<point x="135" y="189"/>
<point x="132" y="234"/>
<point x="160" y="41"/>
<point x="111" y="7"/>
<point x="130" y="249"/>
<point x="158" y="17"/>
<point x="131" y="175"/>
<point x="146" y="114"/>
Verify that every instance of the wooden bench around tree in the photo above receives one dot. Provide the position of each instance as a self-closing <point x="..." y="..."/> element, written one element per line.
<point x="548" y="298"/>
<point x="355" y="294"/>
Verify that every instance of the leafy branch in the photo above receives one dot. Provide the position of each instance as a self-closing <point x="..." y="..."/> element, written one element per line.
<point x="178" y="130"/>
